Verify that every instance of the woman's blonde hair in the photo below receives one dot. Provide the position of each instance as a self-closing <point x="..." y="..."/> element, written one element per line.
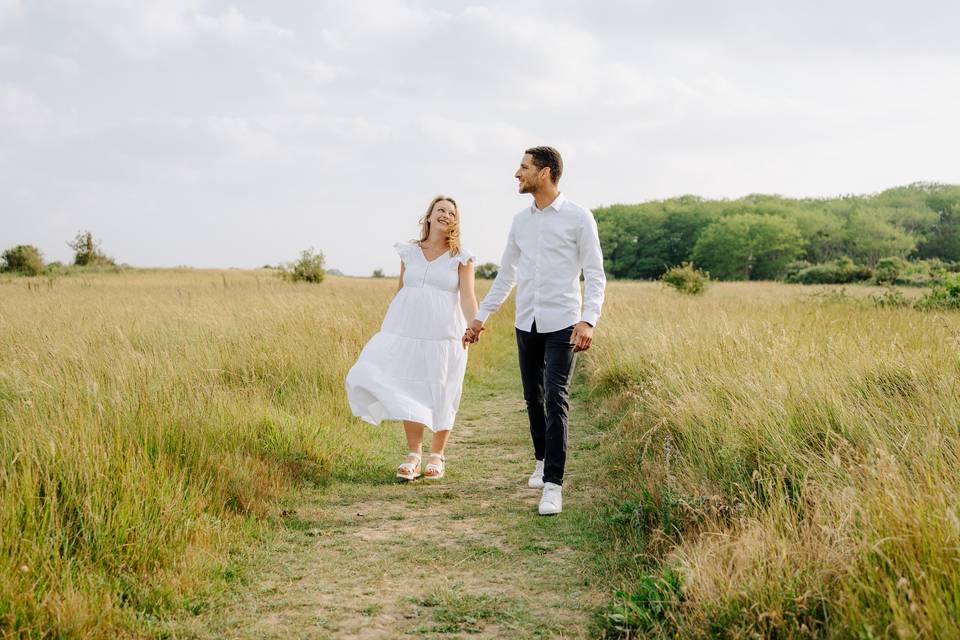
<point x="453" y="230"/>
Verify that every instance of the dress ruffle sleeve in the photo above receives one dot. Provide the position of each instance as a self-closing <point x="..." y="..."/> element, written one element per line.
<point x="465" y="256"/>
<point x="403" y="249"/>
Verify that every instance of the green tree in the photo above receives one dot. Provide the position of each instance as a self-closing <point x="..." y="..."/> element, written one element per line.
<point x="23" y="258"/>
<point x="748" y="246"/>
<point x="643" y="241"/>
<point x="308" y="268"/>
<point x="870" y="238"/>
<point x="86" y="251"/>
<point x="943" y="238"/>
<point x="487" y="270"/>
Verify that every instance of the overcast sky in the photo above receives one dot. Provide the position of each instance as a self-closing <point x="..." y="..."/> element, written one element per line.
<point x="207" y="133"/>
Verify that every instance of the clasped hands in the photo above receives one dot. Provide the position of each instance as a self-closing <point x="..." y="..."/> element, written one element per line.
<point x="580" y="339"/>
<point x="472" y="334"/>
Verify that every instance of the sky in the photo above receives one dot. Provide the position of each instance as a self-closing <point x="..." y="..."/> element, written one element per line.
<point x="236" y="134"/>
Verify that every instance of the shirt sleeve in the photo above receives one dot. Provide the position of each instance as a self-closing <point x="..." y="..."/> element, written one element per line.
<point x="505" y="280"/>
<point x="591" y="261"/>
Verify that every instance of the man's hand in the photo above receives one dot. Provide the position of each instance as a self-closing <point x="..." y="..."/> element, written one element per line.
<point x="472" y="334"/>
<point x="581" y="337"/>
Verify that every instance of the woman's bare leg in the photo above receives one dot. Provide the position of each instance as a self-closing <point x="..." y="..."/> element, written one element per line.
<point x="439" y="441"/>
<point x="414" y="431"/>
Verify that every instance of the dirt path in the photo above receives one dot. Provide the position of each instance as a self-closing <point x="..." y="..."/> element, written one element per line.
<point x="466" y="556"/>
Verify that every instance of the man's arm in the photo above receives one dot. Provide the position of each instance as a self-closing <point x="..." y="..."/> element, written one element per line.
<point x="591" y="261"/>
<point x="501" y="287"/>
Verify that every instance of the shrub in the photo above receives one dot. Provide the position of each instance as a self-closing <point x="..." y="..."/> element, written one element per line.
<point x="86" y="251"/>
<point x="891" y="297"/>
<point x="686" y="278"/>
<point x="309" y="268"/>
<point x="839" y="271"/>
<point x="487" y="271"/>
<point x="23" y="258"/>
<point x="378" y="273"/>
<point x="890" y="270"/>
<point x="795" y="267"/>
<point x="944" y="293"/>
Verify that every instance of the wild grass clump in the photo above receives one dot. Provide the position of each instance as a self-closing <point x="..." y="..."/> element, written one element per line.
<point x="797" y="465"/>
<point x="686" y="278"/>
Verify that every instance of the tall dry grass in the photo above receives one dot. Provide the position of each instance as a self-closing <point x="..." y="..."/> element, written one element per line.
<point x="149" y="424"/>
<point x="784" y="464"/>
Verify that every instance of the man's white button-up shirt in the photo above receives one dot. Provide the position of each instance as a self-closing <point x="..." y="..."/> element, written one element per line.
<point x="546" y="251"/>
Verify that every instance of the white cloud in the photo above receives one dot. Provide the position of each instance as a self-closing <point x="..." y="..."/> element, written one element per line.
<point x="233" y="25"/>
<point x="253" y="125"/>
<point x="144" y="29"/>
<point x="471" y="137"/>
<point x="347" y="24"/>
<point x="11" y="12"/>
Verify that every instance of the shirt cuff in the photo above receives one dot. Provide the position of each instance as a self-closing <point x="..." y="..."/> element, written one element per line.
<point x="590" y="318"/>
<point x="482" y="316"/>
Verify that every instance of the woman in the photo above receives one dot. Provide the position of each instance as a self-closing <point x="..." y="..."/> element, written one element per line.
<point x="412" y="369"/>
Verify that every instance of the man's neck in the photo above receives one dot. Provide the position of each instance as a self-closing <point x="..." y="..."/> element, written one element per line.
<point x="545" y="196"/>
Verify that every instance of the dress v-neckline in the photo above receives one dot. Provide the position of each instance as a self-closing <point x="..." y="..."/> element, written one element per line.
<point x="428" y="261"/>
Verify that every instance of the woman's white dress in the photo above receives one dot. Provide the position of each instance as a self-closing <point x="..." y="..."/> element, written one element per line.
<point x="412" y="369"/>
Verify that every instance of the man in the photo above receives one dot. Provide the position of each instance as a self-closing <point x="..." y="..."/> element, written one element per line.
<point x="550" y="243"/>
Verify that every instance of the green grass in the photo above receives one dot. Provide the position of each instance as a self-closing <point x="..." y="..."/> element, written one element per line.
<point x="151" y="425"/>
<point x="791" y="458"/>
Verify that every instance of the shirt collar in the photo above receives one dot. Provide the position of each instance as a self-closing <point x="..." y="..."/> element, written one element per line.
<point x="555" y="205"/>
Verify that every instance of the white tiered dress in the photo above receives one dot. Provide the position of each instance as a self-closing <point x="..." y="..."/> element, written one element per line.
<point x="412" y="369"/>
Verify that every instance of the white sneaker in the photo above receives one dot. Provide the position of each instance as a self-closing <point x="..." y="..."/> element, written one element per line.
<point x="552" y="501"/>
<point x="536" y="478"/>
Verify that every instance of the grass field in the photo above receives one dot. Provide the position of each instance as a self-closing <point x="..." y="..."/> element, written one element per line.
<point x="774" y="462"/>
<point x="151" y="420"/>
<point x="785" y="463"/>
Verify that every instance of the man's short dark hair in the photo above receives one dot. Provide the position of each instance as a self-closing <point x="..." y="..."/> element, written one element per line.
<point x="547" y="157"/>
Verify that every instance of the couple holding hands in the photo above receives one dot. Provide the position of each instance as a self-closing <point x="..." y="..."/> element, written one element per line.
<point x="412" y="369"/>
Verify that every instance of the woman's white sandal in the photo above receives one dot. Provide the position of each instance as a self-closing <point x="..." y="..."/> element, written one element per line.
<point x="434" y="471"/>
<point x="410" y="469"/>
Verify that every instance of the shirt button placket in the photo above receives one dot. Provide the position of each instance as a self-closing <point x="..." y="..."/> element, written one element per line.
<point x="536" y="288"/>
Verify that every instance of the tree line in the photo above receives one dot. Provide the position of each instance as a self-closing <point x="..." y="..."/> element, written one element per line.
<point x="26" y="259"/>
<point x="766" y="237"/>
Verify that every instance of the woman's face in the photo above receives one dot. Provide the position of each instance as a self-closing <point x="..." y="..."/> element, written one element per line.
<point x="443" y="214"/>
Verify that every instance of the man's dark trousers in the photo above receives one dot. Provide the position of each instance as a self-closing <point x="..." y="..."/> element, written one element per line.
<point x="546" y="368"/>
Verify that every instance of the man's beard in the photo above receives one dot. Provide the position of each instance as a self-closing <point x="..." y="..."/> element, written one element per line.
<point x="526" y="189"/>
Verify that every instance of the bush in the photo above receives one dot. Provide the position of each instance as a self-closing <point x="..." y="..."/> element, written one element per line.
<point x="487" y="271"/>
<point x="944" y="293"/>
<point x="892" y="298"/>
<point x="378" y="273"/>
<point x="686" y="278"/>
<point x="795" y="267"/>
<point x="309" y="268"/>
<point x="86" y="251"/>
<point x="23" y="258"/>
<point x="840" y="271"/>
<point x="890" y="270"/>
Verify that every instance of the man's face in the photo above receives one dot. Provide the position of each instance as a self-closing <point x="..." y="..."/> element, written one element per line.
<point x="528" y="176"/>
